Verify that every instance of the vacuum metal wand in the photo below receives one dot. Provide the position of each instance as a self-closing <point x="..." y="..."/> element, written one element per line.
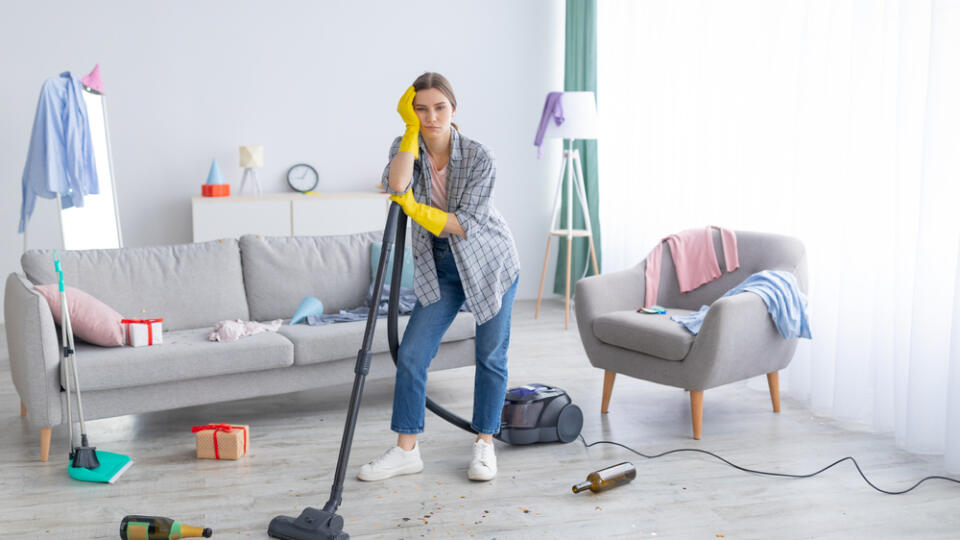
<point x="325" y="524"/>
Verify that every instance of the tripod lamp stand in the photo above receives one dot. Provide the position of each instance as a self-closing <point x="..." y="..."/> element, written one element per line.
<point x="572" y="115"/>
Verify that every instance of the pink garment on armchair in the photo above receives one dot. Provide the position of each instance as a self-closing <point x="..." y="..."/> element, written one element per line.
<point x="694" y="259"/>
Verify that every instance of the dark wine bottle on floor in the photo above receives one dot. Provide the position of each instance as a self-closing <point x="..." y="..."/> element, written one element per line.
<point x="157" y="528"/>
<point x="608" y="478"/>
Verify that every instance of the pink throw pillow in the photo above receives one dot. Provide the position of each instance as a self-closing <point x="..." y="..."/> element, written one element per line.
<point x="92" y="320"/>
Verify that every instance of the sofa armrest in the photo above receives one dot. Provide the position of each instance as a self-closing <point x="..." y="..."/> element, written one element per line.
<point x="738" y="340"/>
<point x="34" y="351"/>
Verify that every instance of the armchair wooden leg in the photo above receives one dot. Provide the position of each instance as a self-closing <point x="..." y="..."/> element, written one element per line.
<point x="44" y="443"/>
<point x="773" y="381"/>
<point x="696" y="412"/>
<point x="23" y="409"/>
<point x="608" y="377"/>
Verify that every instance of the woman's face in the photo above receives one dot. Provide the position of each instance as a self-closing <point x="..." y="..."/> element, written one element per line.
<point x="435" y="112"/>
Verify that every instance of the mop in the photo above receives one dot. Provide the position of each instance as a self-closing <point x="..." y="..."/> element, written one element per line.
<point x="85" y="463"/>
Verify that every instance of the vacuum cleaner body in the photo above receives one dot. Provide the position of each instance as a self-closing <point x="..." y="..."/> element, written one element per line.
<point x="536" y="413"/>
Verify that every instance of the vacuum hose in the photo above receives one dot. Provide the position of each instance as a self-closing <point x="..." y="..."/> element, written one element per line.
<point x="325" y="524"/>
<point x="392" y="316"/>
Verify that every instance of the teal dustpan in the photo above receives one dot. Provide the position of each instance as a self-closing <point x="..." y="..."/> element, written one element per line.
<point x="111" y="467"/>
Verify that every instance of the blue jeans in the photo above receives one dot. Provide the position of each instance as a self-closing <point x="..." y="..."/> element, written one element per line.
<point x="421" y="341"/>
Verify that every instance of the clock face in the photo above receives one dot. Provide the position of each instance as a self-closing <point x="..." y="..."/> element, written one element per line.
<point x="302" y="177"/>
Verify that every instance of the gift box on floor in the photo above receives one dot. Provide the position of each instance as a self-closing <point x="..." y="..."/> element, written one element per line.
<point x="142" y="332"/>
<point x="222" y="441"/>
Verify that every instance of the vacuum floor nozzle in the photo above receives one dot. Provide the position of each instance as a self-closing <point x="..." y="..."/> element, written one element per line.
<point x="312" y="524"/>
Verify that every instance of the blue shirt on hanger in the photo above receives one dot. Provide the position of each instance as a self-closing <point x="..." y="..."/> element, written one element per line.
<point x="60" y="158"/>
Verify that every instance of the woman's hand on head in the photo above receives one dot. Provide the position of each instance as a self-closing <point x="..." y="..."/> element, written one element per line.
<point x="410" y="141"/>
<point x="405" y="108"/>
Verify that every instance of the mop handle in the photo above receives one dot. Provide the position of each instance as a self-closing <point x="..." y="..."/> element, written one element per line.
<point x="65" y="358"/>
<point x="63" y="350"/>
<point x="56" y="264"/>
<point x="68" y="328"/>
<point x="76" y="378"/>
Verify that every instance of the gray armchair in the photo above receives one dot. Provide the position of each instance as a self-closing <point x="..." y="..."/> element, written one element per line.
<point x="738" y="339"/>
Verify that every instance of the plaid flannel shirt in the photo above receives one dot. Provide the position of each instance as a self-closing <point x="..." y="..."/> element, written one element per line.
<point x="487" y="257"/>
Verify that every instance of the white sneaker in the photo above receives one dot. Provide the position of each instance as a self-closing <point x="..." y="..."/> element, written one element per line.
<point x="484" y="464"/>
<point x="393" y="462"/>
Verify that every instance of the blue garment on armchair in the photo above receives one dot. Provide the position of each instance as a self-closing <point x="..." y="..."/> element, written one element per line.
<point x="780" y="292"/>
<point x="60" y="158"/>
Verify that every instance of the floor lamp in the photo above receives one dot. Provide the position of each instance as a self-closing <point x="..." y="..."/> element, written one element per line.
<point x="577" y="119"/>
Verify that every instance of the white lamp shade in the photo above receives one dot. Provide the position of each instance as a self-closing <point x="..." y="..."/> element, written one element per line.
<point x="580" y="117"/>
<point x="251" y="156"/>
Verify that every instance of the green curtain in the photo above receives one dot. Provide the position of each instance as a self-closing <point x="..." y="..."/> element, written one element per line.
<point x="580" y="75"/>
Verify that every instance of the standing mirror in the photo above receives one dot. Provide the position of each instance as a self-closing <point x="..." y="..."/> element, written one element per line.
<point x="95" y="225"/>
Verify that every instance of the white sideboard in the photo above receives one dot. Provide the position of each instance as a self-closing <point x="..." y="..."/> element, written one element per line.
<point x="286" y="214"/>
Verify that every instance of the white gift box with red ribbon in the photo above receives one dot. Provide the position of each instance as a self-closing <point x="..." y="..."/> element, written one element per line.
<point x="143" y="332"/>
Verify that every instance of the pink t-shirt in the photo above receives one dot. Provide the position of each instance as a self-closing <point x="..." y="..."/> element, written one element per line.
<point x="694" y="259"/>
<point x="438" y="185"/>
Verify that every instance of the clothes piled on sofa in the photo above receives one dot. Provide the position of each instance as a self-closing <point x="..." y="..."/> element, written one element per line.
<point x="781" y="293"/>
<point x="405" y="306"/>
<point x="236" y="329"/>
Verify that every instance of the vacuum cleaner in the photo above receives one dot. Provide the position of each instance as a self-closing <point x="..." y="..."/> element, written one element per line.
<point x="536" y="413"/>
<point x="531" y="414"/>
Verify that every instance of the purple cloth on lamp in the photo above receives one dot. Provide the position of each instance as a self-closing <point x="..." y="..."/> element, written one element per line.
<point x="552" y="108"/>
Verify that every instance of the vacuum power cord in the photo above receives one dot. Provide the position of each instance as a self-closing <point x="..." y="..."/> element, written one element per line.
<point x="766" y="473"/>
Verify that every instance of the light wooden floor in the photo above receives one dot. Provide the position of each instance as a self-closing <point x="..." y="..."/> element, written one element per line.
<point x="296" y="437"/>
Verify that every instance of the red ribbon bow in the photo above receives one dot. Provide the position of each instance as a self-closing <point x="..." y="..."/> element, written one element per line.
<point x="226" y="428"/>
<point x="148" y="322"/>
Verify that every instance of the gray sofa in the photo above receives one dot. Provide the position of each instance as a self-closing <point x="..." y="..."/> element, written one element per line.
<point x="192" y="286"/>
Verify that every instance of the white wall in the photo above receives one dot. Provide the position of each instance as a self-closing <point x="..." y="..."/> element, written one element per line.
<point x="313" y="82"/>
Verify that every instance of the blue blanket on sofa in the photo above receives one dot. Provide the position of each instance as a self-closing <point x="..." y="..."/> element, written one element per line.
<point x="780" y="292"/>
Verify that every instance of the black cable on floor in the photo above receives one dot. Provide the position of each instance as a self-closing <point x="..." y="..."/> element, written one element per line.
<point x="785" y="475"/>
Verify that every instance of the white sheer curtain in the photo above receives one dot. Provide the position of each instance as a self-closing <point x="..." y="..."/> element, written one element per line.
<point x="834" y="121"/>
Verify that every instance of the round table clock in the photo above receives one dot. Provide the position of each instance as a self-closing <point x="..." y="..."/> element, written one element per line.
<point x="302" y="177"/>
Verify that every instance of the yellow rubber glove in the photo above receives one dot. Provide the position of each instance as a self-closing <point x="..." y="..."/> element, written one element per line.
<point x="410" y="141"/>
<point x="429" y="217"/>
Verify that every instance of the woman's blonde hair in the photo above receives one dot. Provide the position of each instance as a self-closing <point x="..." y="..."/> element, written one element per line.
<point x="435" y="80"/>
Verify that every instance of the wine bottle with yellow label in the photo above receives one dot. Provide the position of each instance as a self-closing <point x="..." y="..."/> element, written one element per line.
<point x="608" y="478"/>
<point x="158" y="528"/>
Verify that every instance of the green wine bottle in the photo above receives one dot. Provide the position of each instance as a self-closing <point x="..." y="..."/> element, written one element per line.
<point x="608" y="478"/>
<point x="158" y="528"/>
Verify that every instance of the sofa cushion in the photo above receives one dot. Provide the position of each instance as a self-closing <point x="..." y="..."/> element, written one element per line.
<point x="184" y="355"/>
<point x="90" y="319"/>
<point x="655" y="335"/>
<point x="279" y="271"/>
<point x="188" y="285"/>
<point x="316" y="344"/>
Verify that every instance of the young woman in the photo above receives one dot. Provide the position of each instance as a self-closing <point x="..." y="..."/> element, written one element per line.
<point x="463" y="252"/>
